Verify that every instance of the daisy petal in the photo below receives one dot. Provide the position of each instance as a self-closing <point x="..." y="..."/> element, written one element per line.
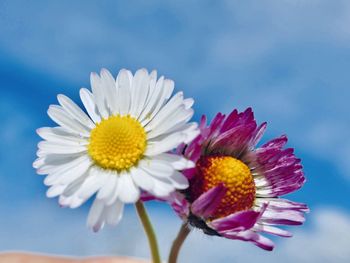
<point x="114" y="213"/>
<point x="142" y="179"/>
<point x="74" y="111"/>
<point x="178" y="162"/>
<point x="111" y="95"/>
<point x="128" y="192"/>
<point x="58" y="115"/>
<point x="98" y="90"/>
<point x="55" y="190"/>
<point x="167" y="87"/>
<point x="165" y="144"/>
<point x="151" y="105"/>
<point x="108" y="187"/>
<point x="89" y="103"/>
<point x="179" y="180"/>
<point x="57" y="148"/>
<point x="95" y="214"/>
<point x="124" y="81"/>
<point x="92" y="183"/>
<point x="140" y="88"/>
<point x="59" y="135"/>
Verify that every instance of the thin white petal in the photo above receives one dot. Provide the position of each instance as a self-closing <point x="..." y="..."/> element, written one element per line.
<point x="166" y="91"/>
<point x="61" y="117"/>
<point x="58" y="164"/>
<point x="180" y="116"/>
<point x="124" y="83"/>
<point x="157" y="168"/>
<point x="39" y="162"/>
<point x="108" y="187"/>
<point x="95" y="213"/>
<point x="113" y="196"/>
<point x="152" y="86"/>
<point x="55" y="190"/>
<point x="188" y="103"/>
<point x="71" y="175"/>
<point x="179" y="180"/>
<point x="142" y="179"/>
<point x="99" y="94"/>
<point x="140" y="89"/>
<point x="111" y="90"/>
<point x="178" y="162"/>
<point x="162" y="187"/>
<point x="128" y="192"/>
<point x="75" y="185"/>
<point x="189" y="130"/>
<point x="114" y="213"/>
<point x="57" y="136"/>
<point x="166" y="144"/>
<point x="92" y="183"/>
<point x="56" y="148"/>
<point x="69" y="172"/>
<point x="89" y="103"/>
<point x="152" y="102"/>
<point x="49" y="161"/>
<point x="173" y="104"/>
<point x="74" y="111"/>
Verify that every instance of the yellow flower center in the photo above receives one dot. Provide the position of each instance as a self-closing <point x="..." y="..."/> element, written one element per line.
<point x="236" y="177"/>
<point x="117" y="143"/>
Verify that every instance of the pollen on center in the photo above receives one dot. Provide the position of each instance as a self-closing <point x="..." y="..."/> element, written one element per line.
<point x="117" y="143"/>
<point x="234" y="174"/>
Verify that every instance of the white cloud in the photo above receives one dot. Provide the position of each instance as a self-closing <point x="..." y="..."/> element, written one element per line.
<point x="49" y="229"/>
<point x="326" y="241"/>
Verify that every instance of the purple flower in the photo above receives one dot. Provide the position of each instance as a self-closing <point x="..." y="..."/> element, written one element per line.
<point x="235" y="187"/>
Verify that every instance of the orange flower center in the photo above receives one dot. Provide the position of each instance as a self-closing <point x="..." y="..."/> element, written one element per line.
<point x="236" y="177"/>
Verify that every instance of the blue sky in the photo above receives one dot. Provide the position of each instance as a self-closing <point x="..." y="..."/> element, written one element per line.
<point x="289" y="60"/>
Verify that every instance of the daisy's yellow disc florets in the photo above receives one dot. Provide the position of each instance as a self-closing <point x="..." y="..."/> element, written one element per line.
<point x="117" y="143"/>
<point x="234" y="175"/>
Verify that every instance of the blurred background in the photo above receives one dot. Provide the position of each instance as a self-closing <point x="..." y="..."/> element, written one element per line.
<point x="288" y="59"/>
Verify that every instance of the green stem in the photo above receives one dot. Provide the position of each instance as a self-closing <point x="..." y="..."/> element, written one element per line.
<point x="181" y="236"/>
<point x="147" y="226"/>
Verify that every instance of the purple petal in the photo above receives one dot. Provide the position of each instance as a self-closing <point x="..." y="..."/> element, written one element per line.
<point x="145" y="196"/>
<point x="207" y="203"/>
<point x="286" y="217"/>
<point x="215" y="124"/>
<point x="259" y="133"/>
<point x="253" y="237"/>
<point x="271" y="230"/>
<point x="229" y="120"/>
<point x="235" y="140"/>
<point x="276" y="143"/>
<point x="236" y="222"/>
<point x="280" y="167"/>
<point x="279" y="204"/>
<point x="237" y="134"/>
<point x="231" y="135"/>
<point x="189" y="173"/>
<point x="179" y="204"/>
<point x="203" y="122"/>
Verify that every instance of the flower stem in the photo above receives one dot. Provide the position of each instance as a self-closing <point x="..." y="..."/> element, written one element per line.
<point x="147" y="226"/>
<point x="181" y="236"/>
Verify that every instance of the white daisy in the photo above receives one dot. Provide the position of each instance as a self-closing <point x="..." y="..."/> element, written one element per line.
<point x="120" y="148"/>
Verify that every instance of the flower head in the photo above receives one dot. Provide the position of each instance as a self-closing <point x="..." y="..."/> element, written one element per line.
<point x="120" y="148"/>
<point x="235" y="188"/>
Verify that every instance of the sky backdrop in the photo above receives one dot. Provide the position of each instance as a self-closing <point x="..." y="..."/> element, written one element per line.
<point x="289" y="60"/>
